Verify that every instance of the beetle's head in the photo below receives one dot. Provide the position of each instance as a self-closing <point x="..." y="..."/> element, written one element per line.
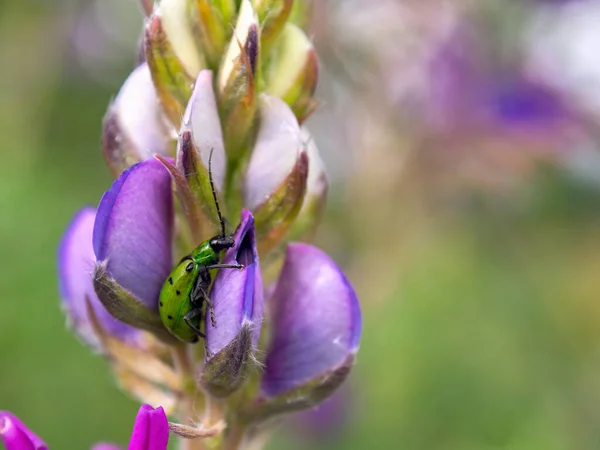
<point x="221" y="243"/>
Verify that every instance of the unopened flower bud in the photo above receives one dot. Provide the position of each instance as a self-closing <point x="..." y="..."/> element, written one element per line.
<point x="272" y="15"/>
<point x="276" y="179"/>
<point x="315" y="198"/>
<point x="134" y="127"/>
<point x="150" y="430"/>
<point x="16" y="436"/>
<point x="211" y="20"/>
<point x="293" y="72"/>
<point x="172" y="57"/>
<point x="201" y="139"/>
<point x="301" y="13"/>
<point x="236" y="83"/>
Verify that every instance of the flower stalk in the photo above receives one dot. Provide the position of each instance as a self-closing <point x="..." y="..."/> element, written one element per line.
<point x="212" y="182"/>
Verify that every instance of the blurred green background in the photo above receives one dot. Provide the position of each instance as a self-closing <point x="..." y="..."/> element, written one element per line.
<point x="481" y="313"/>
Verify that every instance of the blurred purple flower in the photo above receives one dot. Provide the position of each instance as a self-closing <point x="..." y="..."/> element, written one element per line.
<point x="16" y="436"/>
<point x="75" y="264"/>
<point x="470" y="89"/>
<point x="150" y="432"/>
<point x="487" y="120"/>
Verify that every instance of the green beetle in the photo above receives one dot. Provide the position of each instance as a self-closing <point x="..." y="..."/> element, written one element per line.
<point x="186" y="289"/>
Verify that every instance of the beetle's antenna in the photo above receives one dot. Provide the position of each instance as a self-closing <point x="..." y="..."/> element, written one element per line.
<point x="212" y="187"/>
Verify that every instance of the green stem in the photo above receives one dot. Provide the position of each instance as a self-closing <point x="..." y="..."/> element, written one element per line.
<point x="234" y="438"/>
<point x="187" y="403"/>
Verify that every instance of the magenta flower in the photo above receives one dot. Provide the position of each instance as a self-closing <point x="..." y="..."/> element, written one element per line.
<point x="150" y="432"/>
<point x="16" y="436"/>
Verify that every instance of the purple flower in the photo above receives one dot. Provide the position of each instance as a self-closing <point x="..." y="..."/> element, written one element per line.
<point x="150" y="432"/>
<point x="316" y="326"/>
<point x="237" y="296"/>
<point x="16" y="436"/>
<point x="133" y="230"/>
<point x="316" y="321"/>
<point x="75" y="265"/>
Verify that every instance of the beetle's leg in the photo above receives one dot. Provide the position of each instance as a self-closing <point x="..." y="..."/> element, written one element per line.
<point x="225" y="266"/>
<point x="187" y="318"/>
<point x="200" y="293"/>
<point x="210" y="306"/>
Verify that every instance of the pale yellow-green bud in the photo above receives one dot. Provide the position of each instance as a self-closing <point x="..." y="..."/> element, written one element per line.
<point x="315" y="198"/>
<point x="172" y="82"/>
<point x="275" y="181"/>
<point x="301" y="13"/>
<point x="273" y="15"/>
<point x="236" y="82"/>
<point x="293" y="71"/>
<point x="211" y="26"/>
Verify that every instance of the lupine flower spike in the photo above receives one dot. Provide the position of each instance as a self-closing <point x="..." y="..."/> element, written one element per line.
<point x="214" y="178"/>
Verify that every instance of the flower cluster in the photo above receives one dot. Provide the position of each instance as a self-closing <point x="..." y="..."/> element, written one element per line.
<point x="209" y="125"/>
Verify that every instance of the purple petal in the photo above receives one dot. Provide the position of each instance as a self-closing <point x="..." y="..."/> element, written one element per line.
<point x="139" y="114"/>
<point x="106" y="446"/>
<point x="279" y="145"/>
<point x="75" y="264"/>
<point x="150" y="430"/>
<point x="134" y="227"/>
<point x="16" y="436"/>
<point x="316" y="320"/>
<point x="237" y="295"/>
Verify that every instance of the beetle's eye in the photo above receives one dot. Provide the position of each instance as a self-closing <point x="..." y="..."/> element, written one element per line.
<point x="189" y="267"/>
